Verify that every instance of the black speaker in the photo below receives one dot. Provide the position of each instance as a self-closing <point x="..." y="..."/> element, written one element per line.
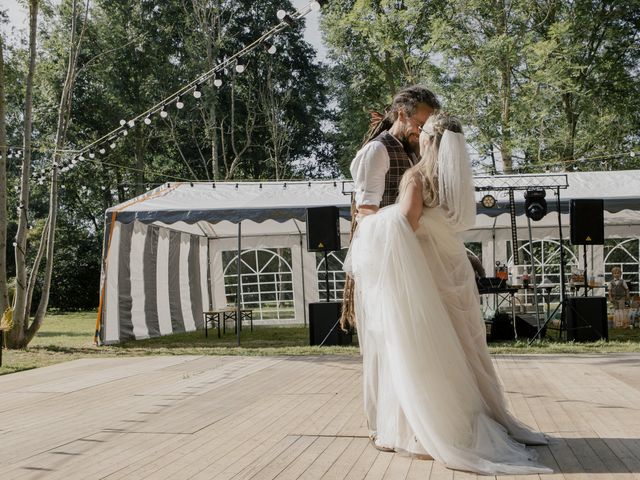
<point x="323" y="229"/>
<point x="322" y="320"/>
<point x="587" y="319"/>
<point x="502" y="327"/>
<point x="587" y="221"/>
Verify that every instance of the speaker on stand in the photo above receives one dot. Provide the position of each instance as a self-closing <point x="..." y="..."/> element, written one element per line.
<point x="587" y="315"/>
<point x="323" y="235"/>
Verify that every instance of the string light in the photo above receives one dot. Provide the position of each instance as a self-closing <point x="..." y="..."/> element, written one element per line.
<point x="269" y="47"/>
<point x="288" y="19"/>
<point x="102" y="151"/>
<point x="195" y="86"/>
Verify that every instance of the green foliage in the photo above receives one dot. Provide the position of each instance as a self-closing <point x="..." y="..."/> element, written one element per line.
<point x="134" y="54"/>
<point x="541" y="82"/>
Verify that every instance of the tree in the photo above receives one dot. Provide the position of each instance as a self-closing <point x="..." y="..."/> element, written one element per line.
<point x="4" y="292"/>
<point x="377" y="47"/>
<point x="23" y="330"/>
<point x="536" y="82"/>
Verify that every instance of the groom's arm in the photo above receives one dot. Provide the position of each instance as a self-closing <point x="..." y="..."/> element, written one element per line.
<point x="368" y="170"/>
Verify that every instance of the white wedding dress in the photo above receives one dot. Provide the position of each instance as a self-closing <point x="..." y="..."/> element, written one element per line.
<point x="430" y="385"/>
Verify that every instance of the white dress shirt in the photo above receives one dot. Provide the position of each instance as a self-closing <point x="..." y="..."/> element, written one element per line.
<point x="368" y="170"/>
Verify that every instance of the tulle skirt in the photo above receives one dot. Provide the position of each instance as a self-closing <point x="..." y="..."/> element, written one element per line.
<point x="429" y="384"/>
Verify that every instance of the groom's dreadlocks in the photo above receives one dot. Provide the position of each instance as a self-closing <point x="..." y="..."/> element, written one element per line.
<point x="408" y="100"/>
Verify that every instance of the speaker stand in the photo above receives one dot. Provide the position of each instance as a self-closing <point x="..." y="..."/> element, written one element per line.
<point x="586" y="281"/>
<point x="326" y="275"/>
<point x="563" y="295"/>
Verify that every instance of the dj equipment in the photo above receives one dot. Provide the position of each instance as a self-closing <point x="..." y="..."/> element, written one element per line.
<point x="587" y="319"/>
<point x="323" y="229"/>
<point x="324" y="328"/>
<point x="587" y="221"/>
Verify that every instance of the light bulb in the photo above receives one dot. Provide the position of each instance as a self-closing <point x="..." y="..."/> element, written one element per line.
<point x="125" y="133"/>
<point x="123" y="122"/>
<point x="315" y="6"/>
<point x="92" y="155"/>
<point x="239" y="68"/>
<point x="272" y="49"/>
<point x="112" y="146"/>
<point x="132" y="123"/>
<point x="163" y="112"/>
<point x="147" y="120"/>
<point x="197" y="93"/>
<point x="217" y="82"/>
<point x="179" y="103"/>
<point x="102" y="151"/>
<point x="281" y="14"/>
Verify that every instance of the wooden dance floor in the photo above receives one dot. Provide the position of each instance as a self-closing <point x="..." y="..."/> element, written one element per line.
<point x="240" y="418"/>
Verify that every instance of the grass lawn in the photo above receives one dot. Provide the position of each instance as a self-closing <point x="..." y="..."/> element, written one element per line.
<point x="69" y="336"/>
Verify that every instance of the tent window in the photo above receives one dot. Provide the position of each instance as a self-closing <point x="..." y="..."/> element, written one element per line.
<point x="546" y="256"/>
<point x="267" y="282"/>
<point x="336" y="275"/>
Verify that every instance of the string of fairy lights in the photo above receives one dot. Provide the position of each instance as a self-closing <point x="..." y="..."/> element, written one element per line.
<point x="94" y="151"/>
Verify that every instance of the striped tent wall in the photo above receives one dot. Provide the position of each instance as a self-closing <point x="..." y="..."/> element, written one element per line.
<point x="156" y="283"/>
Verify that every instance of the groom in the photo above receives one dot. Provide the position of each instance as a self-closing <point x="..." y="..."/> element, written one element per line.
<point x="391" y="147"/>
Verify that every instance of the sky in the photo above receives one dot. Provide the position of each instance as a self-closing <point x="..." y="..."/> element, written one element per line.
<point x="18" y="22"/>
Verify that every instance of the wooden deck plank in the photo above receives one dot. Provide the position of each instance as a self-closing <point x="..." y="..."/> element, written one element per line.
<point x="282" y="418"/>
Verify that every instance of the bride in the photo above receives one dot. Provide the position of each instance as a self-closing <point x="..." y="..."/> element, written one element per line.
<point x="420" y="326"/>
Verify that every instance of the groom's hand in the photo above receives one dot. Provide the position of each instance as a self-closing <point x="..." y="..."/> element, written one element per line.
<point x="364" y="210"/>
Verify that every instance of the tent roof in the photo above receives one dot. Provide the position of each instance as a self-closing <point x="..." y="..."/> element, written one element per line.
<point x="182" y="204"/>
<point x="233" y="202"/>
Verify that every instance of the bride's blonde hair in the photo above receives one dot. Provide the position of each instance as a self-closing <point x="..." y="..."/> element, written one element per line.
<point x="427" y="168"/>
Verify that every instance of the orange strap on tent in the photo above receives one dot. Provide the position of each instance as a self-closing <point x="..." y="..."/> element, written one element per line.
<point x="106" y="257"/>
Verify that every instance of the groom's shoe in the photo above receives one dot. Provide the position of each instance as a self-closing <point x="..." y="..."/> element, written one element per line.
<point x="379" y="447"/>
<point x="422" y="456"/>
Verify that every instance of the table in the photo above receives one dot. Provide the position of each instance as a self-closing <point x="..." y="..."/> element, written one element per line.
<point x="221" y="315"/>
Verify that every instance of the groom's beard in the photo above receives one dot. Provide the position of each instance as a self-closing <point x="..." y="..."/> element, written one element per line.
<point x="409" y="148"/>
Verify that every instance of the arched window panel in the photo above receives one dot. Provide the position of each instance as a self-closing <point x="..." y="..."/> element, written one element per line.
<point x="335" y="262"/>
<point x="546" y="259"/>
<point x="267" y="282"/>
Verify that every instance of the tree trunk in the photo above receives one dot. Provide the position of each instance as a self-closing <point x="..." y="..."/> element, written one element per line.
<point x="572" y="123"/>
<point x="16" y="336"/>
<point x="4" y="292"/>
<point x="27" y="332"/>
<point x="139" y="154"/>
<point x="505" y="96"/>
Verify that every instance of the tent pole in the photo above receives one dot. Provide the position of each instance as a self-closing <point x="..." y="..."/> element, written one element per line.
<point x="239" y="285"/>
<point x="304" y="294"/>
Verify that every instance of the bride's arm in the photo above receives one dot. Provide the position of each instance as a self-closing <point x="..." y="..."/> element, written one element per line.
<point x="411" y="202"/>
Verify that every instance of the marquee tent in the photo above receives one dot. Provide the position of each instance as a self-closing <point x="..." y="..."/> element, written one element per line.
<point x="162" y="256"/>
